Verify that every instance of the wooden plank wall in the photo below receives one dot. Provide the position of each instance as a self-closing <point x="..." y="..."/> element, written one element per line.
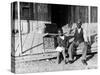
<point x="81" y="12"/>
<point x="41" y="12"/>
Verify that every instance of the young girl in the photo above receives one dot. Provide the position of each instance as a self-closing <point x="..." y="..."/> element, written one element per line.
<point x="62" y="41"/>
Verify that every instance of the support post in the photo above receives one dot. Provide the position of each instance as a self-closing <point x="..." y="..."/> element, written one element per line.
<point x="89" y="20"/>
<point x="19" y="24"/>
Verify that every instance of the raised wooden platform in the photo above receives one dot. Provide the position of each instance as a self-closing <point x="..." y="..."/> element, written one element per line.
<point x="44" y="56"/>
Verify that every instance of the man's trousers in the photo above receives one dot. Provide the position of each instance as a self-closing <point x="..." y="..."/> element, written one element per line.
<point x="74" y="46"/>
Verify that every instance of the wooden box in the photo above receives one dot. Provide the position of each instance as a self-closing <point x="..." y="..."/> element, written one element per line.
<point x="49" y="42"/>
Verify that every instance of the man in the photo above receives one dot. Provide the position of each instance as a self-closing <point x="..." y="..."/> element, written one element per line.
<point x="62" y="41"/>
<point x="79" y="38"/>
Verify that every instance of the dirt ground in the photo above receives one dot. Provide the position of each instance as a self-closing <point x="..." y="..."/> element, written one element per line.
<point x="51" y="65"/>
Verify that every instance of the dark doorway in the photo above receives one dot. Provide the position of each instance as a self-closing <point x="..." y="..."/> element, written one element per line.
<point x="60" y="14"/>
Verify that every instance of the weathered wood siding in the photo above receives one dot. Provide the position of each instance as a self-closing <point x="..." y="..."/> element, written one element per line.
<point x="33" y="27"/>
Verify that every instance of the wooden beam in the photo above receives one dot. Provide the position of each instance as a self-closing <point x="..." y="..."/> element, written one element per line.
<point x="19" y="24"/>
<point x="89" y="20"/>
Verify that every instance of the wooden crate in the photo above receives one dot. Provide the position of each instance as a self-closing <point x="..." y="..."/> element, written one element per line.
<point x="49" y="42"/>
